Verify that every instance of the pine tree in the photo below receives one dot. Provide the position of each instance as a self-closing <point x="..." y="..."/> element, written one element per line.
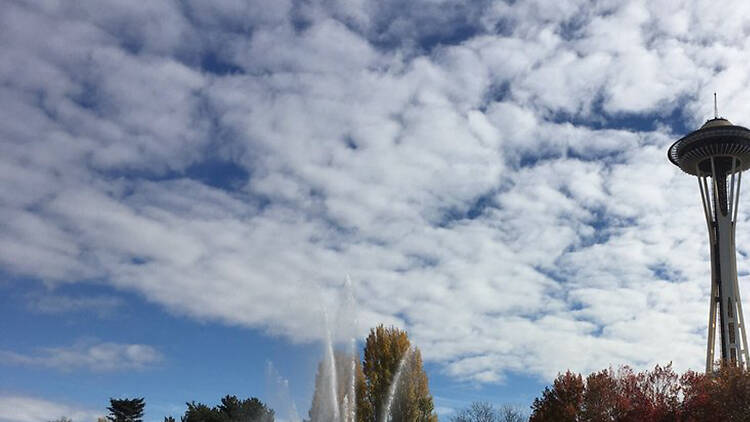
<point x="231" y="409"/>
<point x="126" y="410"/>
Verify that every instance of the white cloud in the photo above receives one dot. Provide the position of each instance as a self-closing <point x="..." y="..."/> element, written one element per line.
<point x="15" y="408"/>
<point x="503" y="193"/>
<point x="56" y="304"/>
<point x="94" y="357"/>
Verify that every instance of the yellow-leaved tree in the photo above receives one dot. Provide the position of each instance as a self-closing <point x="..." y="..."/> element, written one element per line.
<point x="386" y="351"/>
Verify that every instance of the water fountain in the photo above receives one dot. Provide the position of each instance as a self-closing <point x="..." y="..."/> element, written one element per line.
<point x="335" y="391"/>
<point x="386" y="415"/>
<point x="279" y="396"/>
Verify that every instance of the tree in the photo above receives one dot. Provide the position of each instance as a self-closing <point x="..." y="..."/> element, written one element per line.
<point x="386" y="351"/>
<point x="562" y="402"/>
<point x="699" y="397"/>
<point x="231" y="409"/>
<point x="509" y="413"/>
<point x="478" y="411"/>
<point x="482" y="411"/>
<point x="600" y="398"/>
<point x="199" y="412"/>
<point x="169" y="419"/>
<point x="126" y="410"/>
<point x="249" y="410"/>
<point x="731" y="390"/>
<point x="63" y="419"/>
<point x="658" y="395"/>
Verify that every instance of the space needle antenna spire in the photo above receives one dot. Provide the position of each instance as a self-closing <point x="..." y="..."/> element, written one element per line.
<point x="716" y="108"/>
<point x="717" y="154"/>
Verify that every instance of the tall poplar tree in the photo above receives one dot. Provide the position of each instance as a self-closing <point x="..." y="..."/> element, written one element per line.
<point x="384" y="350"/>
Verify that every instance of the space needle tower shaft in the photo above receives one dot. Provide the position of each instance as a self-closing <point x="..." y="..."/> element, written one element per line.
<point x="717" y="154"/>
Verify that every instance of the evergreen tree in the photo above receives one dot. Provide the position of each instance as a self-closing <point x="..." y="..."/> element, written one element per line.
<point x="231" y="409"/>
<point x="126" y="410"/>
<point x="199" y="412"/>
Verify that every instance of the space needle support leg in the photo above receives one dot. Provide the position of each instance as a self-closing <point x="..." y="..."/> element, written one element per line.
<point x="707" y="211"/>
<point x="744" y="357"/>
<point x="741" y="315"/>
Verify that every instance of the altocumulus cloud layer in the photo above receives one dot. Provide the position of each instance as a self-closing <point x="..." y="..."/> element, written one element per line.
<point x="492" y="176"/>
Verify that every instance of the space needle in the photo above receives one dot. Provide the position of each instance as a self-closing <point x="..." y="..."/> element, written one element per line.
<point x="717" y="154"/>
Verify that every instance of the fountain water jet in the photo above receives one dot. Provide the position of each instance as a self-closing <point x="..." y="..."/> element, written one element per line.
<point x="352" y="402"/>
<point x="335" y="393"/>
<point x="332" y="376"/>
<point x="394" y="385"/>
<point x="280" y="399"/>
<point x="352" y="396"/>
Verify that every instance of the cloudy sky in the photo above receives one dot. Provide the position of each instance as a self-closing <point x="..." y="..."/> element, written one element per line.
<point x="185" y="186"/>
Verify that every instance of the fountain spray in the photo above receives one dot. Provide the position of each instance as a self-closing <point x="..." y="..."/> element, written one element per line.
<point x="386" y="416"/>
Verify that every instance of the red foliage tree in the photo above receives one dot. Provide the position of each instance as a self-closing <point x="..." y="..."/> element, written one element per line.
<point x="732" y="394"/>
<point x="699" y="397"/>
<point x="600" y="398"/>
<point x="659" y="395"/>
<point x="562" y="402"/>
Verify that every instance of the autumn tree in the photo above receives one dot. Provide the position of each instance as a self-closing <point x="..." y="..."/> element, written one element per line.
<point x="387" y="350"/>
<point x="126" y="410"/>
<point x="600" y="398"/>
<point x="649" y="395"/>
<point x="699" y="402"/>
<point x="561" y="403"/>
<point x="730" y="390"/>
<point x="412" y="400"/>
<point x="658" y="395"/>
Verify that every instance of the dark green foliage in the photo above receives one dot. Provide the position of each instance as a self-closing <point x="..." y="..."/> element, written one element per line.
<point x="201" y="413"/>
<point x="169" y="419"/>
<point x="126" y="410"/>
<point x="231" y="409"/>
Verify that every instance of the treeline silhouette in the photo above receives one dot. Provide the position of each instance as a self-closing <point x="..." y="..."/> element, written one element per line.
<point x="230" y="409"/>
